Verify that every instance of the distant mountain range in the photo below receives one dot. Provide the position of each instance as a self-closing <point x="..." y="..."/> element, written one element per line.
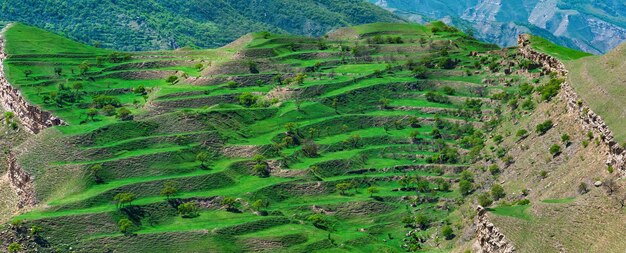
<point x="167" y="24"/>
<point x="594" y="26"/>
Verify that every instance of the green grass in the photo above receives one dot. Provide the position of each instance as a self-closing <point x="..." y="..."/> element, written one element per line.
<point x="560" y="52"/>
<point x="517" y="211"/>
<point x="559" y="201"/>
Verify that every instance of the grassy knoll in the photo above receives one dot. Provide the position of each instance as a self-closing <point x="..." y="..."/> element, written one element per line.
<point x="294" y="144"/>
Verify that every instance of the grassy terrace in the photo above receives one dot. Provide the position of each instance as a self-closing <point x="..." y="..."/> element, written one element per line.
<point x="296" y="144"/>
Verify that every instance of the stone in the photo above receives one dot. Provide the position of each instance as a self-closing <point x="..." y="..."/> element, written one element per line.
<point x="598" y="183"/>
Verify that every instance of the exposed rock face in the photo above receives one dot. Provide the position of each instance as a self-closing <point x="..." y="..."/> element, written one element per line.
<point x="489" y="239"/>
<point x="32" y="117"/>
<point x="591" y="121"/>
<point x="21" y="182"/>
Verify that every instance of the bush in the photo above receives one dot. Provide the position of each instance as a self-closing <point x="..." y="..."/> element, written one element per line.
<point x="14" y="247"/>
<point x="101" y="101"/>
<point x="188" y="210"/>
<point x="551" y="89"/>
<point x="320" y="221"/>
<point x="485" y="200"/>
<point x="310" y="148"/>
<point x="124" y="114"/>
<point x="555" y="150"/>
<point x="522" y="133"/>
<point x="247" y="99"/>
<point x="435" y="97"/>
<point x="447" y="232"/>
<point x="466" y="187"/>
<point x="544" y="127"/>
<point x="497" y="192"/>
<point x="125" y="226"/>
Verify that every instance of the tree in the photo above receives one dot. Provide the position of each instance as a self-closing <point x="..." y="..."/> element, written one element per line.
<point x="188" y="210"/>
<point x="310" y="148"/>
<point x="485" y="200"/>
<point x="14" y="247"/>
<point x="466" y="187"/>
<point x="422" y="221"/>
<point x="261" y="170"/>
<point x="497" y="192"/>
<point x="259" y="205"/>
<point x="58" y="71"/>
<point x="171" y="80"/>
<point x="124" y="198"/>
<point x="343" y="187"/>
<point x="354" y="140"/>
<point x="77" y="87"/>
<point x="84" y="67"/>
<point x="555" y="150"/>
<point x="247" y="99"/>
<point x="229" y="203"/>
<point x="447" y="232"/>
<point x="91" y="113"/>
<point x="203" y="158"/>
<point x="372" y="190"/>
<point x="384" y="103"/>
<point x="543" y="128"/>
<point x="320" y="221"/>
<point x="125" y="225"/>
<point x="169" y="190"/>
<point x="299" y="78"/>
<point x="124" y="114"/>
<point x="108" y="110"/>
<point x="95" y="171"/>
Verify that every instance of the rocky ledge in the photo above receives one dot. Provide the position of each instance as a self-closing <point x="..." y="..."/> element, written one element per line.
<point x="32" y="117"/>
<point x="616" y="156"/>
<point x="489" y="239"/>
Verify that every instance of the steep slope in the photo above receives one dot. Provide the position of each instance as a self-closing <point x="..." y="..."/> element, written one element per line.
<point x="600" y="81"/>
<point x="591" y="26"/>
<point x="159" y="24"/>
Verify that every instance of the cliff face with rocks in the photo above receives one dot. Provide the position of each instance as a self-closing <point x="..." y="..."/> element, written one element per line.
<point x="489" y="239"/>
<point x="616" y="156"/>
<point x="21" y="182"/>
<point x="32" y="117"/>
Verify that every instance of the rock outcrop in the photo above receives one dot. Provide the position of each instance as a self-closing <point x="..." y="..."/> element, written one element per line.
<point x="21" y="182"/>
<point x="489" y="239"/>
<point x="32" y="117"/>
<point x="616" y="157"/>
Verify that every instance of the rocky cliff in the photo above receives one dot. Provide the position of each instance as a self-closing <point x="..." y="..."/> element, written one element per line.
<point x="489" y="239"/>
<point x="32" y="117"/>
<point x="616" y="156"/>
<point x="21" y="182"/>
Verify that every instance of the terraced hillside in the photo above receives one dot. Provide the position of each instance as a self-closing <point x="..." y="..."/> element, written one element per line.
<point x="357" y="141"/>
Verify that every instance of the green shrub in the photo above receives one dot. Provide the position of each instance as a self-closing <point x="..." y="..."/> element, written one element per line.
<point x="497" y="192"/>
<point x="447" y="232"/>
<point x="188" y="210"/>
<point x="551" y="89"/>
<point x="555" y="150"/>
<point x="544" y="127"/>
<point x="484" y="200"/>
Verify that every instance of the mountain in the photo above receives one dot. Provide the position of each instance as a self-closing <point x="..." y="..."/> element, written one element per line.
<point x="591" y="26"/>
<point x="167" y="24"/>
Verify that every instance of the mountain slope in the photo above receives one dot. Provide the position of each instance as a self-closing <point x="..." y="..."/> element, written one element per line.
<point x="160" y="24"/>
<point x="591" y="26"/>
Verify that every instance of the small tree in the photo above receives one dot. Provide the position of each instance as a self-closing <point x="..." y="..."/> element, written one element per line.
<point x="14" y="247"/>
<point x="84" y="67"/>
<point x="203" y="158"/>
<point x="229" y="203"/>
<point x="125" y="226"/>
<point x="343" y="187"/>
<point x="422" y="221"/>
<point x="58" y="71"/>
<point x="122" y="199"/>
<point x="497" y="192"/>
<point x="447" y="232"/>
<point x="124" y="114"/>
<point x="555" y="150"/>
<point x="171" y="80"/>
<point x="372" y="190"/>
<point x="169" y="190"/>
<point x="247" y="99"/>
<point x="261" y="170"/>
<point x="259" y="205"/>
<point x="91" y="113"/>
<point x="466" y="187"/>
<point x="188" y="210"/>
<point x="310" y="148"/>
<point x="95" y="171"/>
<point x="484" y="200"/>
